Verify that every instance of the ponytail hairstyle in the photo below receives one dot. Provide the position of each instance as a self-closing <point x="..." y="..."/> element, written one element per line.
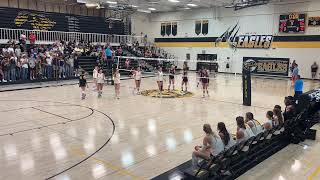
<point x="222" y="129"/>
<point x="240" y="122"/>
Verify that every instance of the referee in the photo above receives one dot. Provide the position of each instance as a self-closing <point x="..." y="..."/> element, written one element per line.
<point x="298" y="87"/>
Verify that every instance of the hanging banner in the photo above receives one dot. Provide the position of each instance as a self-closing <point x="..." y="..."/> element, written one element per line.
<point x="198" y="27"/>
<point x="14" y="18"/>
<point x="267" y="66"/>
<point x="168" y="28"/>
<point x="163" y="29"/>
<point x="314" y="21"/>
<point x="174" y="28"/>
<point x="205" y="27"/>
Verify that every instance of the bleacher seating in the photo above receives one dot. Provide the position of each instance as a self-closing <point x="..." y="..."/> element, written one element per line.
<point x="233" y="162"/>
<point x="87" y="63"/>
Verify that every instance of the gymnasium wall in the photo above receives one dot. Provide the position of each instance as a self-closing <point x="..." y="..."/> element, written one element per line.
<point x="263" y="20"/>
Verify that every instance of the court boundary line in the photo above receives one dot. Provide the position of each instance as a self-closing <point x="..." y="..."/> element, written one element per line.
<point x="49" y="125"/>
<point x="89" y="156"/>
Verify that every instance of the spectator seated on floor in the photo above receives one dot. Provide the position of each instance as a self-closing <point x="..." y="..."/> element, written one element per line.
<point x="243" y="133"/>
<point x="269" y="124"/>
<point x="212" y="145"/>
<point x="277" y="117"/>
<point x="225" y="136"/>
<point x="255" y="126"/>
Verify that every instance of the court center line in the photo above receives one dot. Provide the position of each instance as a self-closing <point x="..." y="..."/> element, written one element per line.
<point x="52" y="114"/>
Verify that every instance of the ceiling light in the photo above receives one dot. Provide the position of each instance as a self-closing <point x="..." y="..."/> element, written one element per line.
<point x="152" y="9"/>
<point x="192" y="5"/>
<point x="91" y="5"/>
<point x="134" y="6"/>
<point x="186" y="8"/>
<point x="113" y="6"/>
<point x="174" y="1"/>
<point x="144" y="11"/>
<point x="111" y="2"/>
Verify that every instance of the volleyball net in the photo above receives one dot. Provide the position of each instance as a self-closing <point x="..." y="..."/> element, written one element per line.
<point x="149" y="66"/>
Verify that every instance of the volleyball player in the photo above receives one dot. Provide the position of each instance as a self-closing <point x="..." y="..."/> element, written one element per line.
<point x="83" y="84"/>
<point x="199" y="76"/>
<point x="184" y="78"/>
<point x="95" y="74"/>
<point x="100" y="82"/>
<point x="116" y="78"/>
<point x="205" y="81"/>
<point x="172" y="72"/>
<point x="137" y="79"/>
<point x="160" y="80"/>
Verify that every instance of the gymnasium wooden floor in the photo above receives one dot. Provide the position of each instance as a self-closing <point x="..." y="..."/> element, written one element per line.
<point x="51" y="133"/>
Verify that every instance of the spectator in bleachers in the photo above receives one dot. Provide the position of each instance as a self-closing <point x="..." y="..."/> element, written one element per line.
<point x="49" y="68"/>
<point x="212" y="144"/>
<point x="25" y="67"/>
<point x="76" y="65"/>
<point x="109" y="55"/>
<point x="243" y="133"/>
<point x="62" y="72"/>
<point x="32" y="38"/>
<point x="277" y="117"/>
<point x="13" y="66"/>
<point x="32" y="66"/>
<point x="256" y="128"/>
<point x="269" y="124"/>
<point x="119" y="51"/>
<point x="225" y="136"/>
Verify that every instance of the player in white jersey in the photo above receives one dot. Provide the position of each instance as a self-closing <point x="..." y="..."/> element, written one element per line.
<point x="160" y="80"/>
<point x="116" y="79"/>
<point x="137" y="78"/>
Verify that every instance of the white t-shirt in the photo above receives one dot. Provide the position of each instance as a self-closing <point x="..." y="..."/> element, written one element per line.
<point x="137" y="75"/>
<point x="117" y="78"/>
<point x="10" y="50"/>
<point x="160" y="76"/>
<point x="100" y="78"/>
<point x="24" y="62"/>
<point x="95" y="74"/>
<point x="49" y="60"/>
<point x="257" y="128"/>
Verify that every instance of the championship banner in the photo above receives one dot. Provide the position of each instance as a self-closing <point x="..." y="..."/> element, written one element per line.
<point x="268" y="66"/>
<point x="314" y="21"/>
<point x="15" y="18"/>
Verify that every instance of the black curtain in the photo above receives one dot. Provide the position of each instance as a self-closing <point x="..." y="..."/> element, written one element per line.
<point x="168" y="29"/>
<point x="174" y="28"/>
<point x="163" y="29"/>
<point x="205" y="27"/>
<point x="198" y="27"/>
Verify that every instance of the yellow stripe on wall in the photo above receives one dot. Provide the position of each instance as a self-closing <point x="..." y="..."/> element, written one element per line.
<point x="185" y="44"/>
<point x="310" y="44"/>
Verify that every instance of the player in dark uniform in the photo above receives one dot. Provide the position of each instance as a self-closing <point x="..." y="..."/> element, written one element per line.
<point x="172" y="72"/>
<point x="83" y="84"/>
<point x="184" y="78"/>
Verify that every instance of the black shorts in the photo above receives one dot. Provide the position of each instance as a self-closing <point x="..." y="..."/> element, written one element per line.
<point x="205" y="81"/>
<point x="185" y="79"/>
<point x="171" y="76"/>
